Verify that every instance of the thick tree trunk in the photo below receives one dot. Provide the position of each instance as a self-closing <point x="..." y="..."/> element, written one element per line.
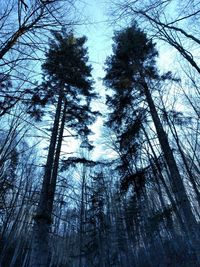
<point x="50" y="160"/>
<point x="179" y="191"/>
<point x="42" y="223"/>
<point x="52" y="185"/>
<point x="39" y="252"/>
<point x="187" y="167"/>
<point x="161" y="178"/>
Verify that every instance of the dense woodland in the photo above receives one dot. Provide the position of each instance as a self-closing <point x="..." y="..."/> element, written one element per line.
<point x="138" y="203"/>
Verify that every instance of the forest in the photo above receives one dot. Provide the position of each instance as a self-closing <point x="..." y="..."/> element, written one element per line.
<point x="99" y="168"/>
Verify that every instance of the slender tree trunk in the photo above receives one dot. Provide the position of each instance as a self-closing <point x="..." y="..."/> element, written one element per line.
<point x="189" y="171"/>
<point x="20" y="32"/>
<point x="179" y="191"/>
<point x="169" y="195"/>
<point x="81" y="218"/>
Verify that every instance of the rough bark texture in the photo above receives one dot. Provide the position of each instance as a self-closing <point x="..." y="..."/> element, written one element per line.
<point x="52" y="184"/>
<point x="39" y="255"/>
<point x="42" y="223"/>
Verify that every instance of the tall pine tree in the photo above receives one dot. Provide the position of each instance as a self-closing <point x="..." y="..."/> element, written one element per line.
<point x="132" y="75"/>
<point x="68" y="84"/>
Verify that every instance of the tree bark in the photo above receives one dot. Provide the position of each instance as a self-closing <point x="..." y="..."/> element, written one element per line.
<point x="81" y="226"/>
<point x="52" y="184"/>
<point x="179" y="191"/>
<point x="42" y="223"/>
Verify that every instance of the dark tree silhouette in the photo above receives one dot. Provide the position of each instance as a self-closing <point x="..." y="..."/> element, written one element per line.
<point x="68" y="83"/>
<point x="132" y="74"/>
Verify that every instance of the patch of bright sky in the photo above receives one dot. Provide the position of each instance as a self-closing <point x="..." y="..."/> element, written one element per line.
<point x="99" y="35"/>
<point x="99" y="44"/>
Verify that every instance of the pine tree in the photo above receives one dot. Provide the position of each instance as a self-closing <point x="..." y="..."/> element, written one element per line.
<point x="68" y="84"/>
<point x="132" y="75"/>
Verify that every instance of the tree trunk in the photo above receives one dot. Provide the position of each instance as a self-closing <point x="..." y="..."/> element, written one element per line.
<point x="81" y="226"/>
<point x="187" y="167"/>
<point x="179" y="191"/>
<point x="52" y="184"/>
<point x="24" y="28"/>
<point x="41" y="228"/>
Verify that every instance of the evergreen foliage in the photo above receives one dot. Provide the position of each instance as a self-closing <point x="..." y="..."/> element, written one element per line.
<point x="136" y="205"/>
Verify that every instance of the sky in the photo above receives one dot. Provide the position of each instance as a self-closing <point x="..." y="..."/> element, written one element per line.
<point x="99" y="42"/>
<point x="99" y="34"/>
<point x="98" y="30"/>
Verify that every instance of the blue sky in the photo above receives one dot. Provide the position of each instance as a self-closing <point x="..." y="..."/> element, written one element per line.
<point x="99" y="32"/>
<point x="99" y="44"/>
